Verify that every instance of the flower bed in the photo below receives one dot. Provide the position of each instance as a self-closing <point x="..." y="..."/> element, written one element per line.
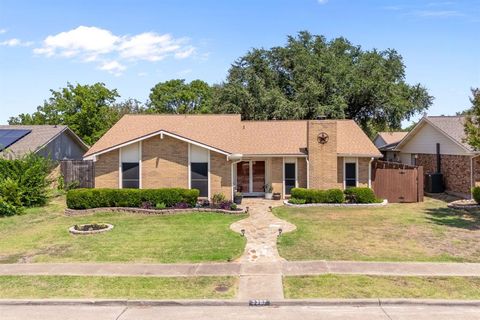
<point x="91" y="228"/>
<point x="345" y="204"/>
<point x="169" y="211"/>
<point x="469" y="204"/>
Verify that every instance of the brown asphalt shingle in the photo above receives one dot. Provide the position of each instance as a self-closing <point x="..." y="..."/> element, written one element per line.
<point x="392" y="137"/>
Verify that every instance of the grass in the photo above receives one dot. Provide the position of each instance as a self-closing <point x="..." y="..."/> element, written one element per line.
<point x="41" y="235"/>
<point x="359" y="286"/>
<point x="427" y="231"/>
<point x="42" y="287"/>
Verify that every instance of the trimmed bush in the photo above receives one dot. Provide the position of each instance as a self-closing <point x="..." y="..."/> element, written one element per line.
<point x="296" y="201"/>
<point x="97" y="198"/>
<point x="318" y="196"/>
<point x="6" y="209"/>
<point x="360" y="195"/>
<point x="476" y="194"/>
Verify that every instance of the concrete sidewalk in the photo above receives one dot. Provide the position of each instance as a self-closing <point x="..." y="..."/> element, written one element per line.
<point x="285" y="268"/>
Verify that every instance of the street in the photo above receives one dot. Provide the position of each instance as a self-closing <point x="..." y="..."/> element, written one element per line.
<point x="84" y="312"/>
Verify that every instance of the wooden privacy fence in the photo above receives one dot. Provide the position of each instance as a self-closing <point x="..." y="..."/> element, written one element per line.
<point x="78" y="172"/>
<point x="397" y="182"/>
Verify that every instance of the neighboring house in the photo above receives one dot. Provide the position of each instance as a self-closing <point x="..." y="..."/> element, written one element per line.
<point x="221" y="154"/>
<point x="459" y="163"/>
<point x="55" y="142"/>
<point x="386" y="143"/>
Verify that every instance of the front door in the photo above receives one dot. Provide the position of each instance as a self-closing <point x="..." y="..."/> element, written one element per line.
<point x="251" y="176"/>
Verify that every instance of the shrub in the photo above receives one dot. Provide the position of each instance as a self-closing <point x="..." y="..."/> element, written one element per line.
<point x="318" y="196"/>
<point x="160" y="205"/>
<point x="146" y="205"/>
<point x="6" y="209"/>
<point x="476" y="194"/>
<point x="225" y="205"/>
<point x="181" y="205"/>
<point x="218" y="198"/>
<point x="296" y="201"/>
<point x="96" y="198"/>
<point x="11" y="192"/>
<point x="233" y="206"/>
<point x="31" y="174"/>
<point x="360" y="195"/>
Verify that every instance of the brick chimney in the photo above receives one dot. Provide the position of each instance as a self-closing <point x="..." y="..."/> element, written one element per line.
<point x="322" y="154"/>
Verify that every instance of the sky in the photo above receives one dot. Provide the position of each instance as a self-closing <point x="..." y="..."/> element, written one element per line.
<point x="132" y="45"/>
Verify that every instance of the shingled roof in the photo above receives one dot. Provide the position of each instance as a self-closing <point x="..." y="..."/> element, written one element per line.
<point x="229" y="134"/>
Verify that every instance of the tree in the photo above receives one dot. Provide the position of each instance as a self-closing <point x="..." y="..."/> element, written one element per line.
<point x="176" y="96"/>
<point x="472" y="123"/>
<point x="89" y="110"/>
<point x="311" y="76"/>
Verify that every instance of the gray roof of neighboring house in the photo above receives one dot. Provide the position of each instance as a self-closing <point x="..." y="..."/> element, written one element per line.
<point x="39" y="137"/>
<point x="453" y="126"/>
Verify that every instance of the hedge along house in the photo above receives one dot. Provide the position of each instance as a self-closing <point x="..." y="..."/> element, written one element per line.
<point x="440" y="141"/>
<point x="222" y="154"/>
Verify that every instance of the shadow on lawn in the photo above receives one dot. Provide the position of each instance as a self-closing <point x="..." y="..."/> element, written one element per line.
<point x="462" y="219"/>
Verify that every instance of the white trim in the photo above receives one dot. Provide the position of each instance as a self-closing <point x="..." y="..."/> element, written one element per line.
<point x="209" y="177"/>
<point x="161" y="133"/>
<point x="283" y="177"/>
<point x="358" y="155"/>
<point x="120" y="175"/>
<point x="370" y="173"/>
<point x="140" y="152"/>
<point x="250" y="176"/>
<point x="189" y="169"/>
<point x="308" y="173"/>
<point x="288" y="155"/>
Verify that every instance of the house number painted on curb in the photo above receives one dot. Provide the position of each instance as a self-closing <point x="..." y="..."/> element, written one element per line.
<point x="322" y="138"/>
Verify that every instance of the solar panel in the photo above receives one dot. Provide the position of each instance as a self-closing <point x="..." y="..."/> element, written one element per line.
<point x="10" y="136"/>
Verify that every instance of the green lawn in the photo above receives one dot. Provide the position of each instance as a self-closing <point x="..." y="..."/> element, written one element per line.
<point x="42" y="287"/>
<point x="426" y="231"/>
<point x="359" y="286"/>
<point x="41" y="235"/>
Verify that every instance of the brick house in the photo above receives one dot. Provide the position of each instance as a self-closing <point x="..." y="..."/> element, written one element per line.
<point x="459" y="163"/>
<point x="222" y="153"/>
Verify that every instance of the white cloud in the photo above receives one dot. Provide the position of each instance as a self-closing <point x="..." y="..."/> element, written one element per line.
<point x="2" y="31"/>
<point x="437" y="13"/>
<point x="14" y="42"/>
<point x="113" y="67"/>
<point x="92" y="44"/>
<point x="322" y="1"/>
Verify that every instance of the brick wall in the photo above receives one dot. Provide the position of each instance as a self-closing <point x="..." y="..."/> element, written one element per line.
<point x="106" y="170"/>
<point x="164" y="163"/>
<point x="322" y="157"/>
<point x="302" y="172"/>
<point x="455" y="169"/>
<point x="363" y="164"/>
<point x="220" y="175"/>
<point x="276" y="174"/>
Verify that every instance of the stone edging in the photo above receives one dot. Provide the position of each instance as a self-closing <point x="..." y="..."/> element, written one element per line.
<point x="353" y="205"/>
<point x="74" y="212"/>
<point x="463" y="205"/>
<point x="72" y="230"/>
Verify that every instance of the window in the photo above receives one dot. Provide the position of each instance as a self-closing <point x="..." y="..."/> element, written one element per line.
<point x="413" y="160"/>
<point x="199" y="177"/>
<point x="130" y="175"/>
<point x="350" y="174"/>
<point x="290" y="178"/>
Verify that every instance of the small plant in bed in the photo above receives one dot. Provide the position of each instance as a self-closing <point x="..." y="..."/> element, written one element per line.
<point x="90" y="227"/>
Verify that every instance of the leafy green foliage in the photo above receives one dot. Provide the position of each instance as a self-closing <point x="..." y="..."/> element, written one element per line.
<point x="360" y="195"/>
<point x="296" y="201"/>
<point x="89" y="110"/>
<point x="318" y="196"/>
<point x="218" y="198"/>
<point x="311" y="76"/>
<point x="7" y="209"/>
<point x="176" y="96"/>
<point x="26" y="179"/>
<point x="98" y="198"/>
<point x="476" y="194"/>
<point x="472" y="125"/>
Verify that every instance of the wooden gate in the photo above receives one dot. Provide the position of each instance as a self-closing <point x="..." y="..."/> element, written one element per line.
<point x="78" y="172"/>
<point x="397" y="182"/>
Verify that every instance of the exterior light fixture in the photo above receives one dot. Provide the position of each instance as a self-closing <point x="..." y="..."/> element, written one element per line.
<point x="280" y="231"/>
<point x="243" y="232"/>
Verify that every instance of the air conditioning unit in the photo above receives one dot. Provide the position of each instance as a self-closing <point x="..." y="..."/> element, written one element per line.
<point x="434" y="183"/>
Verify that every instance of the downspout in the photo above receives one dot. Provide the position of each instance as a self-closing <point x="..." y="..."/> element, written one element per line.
<point x="370" y="172"/>
<point x="308" y="173"/>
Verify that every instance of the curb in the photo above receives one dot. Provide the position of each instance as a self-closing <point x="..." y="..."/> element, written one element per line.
<point x="237" y="303"/>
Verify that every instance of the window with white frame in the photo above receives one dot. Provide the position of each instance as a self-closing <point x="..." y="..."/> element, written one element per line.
<point x="130" y="166"/>
<point x="350" y="173"/>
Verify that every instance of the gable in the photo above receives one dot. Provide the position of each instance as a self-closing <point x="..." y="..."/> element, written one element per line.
<point x="425" y="139"/>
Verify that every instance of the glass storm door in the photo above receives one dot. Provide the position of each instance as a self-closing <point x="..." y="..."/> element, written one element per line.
<point x="243" y="176"/>
<point x="258" y="176"/>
